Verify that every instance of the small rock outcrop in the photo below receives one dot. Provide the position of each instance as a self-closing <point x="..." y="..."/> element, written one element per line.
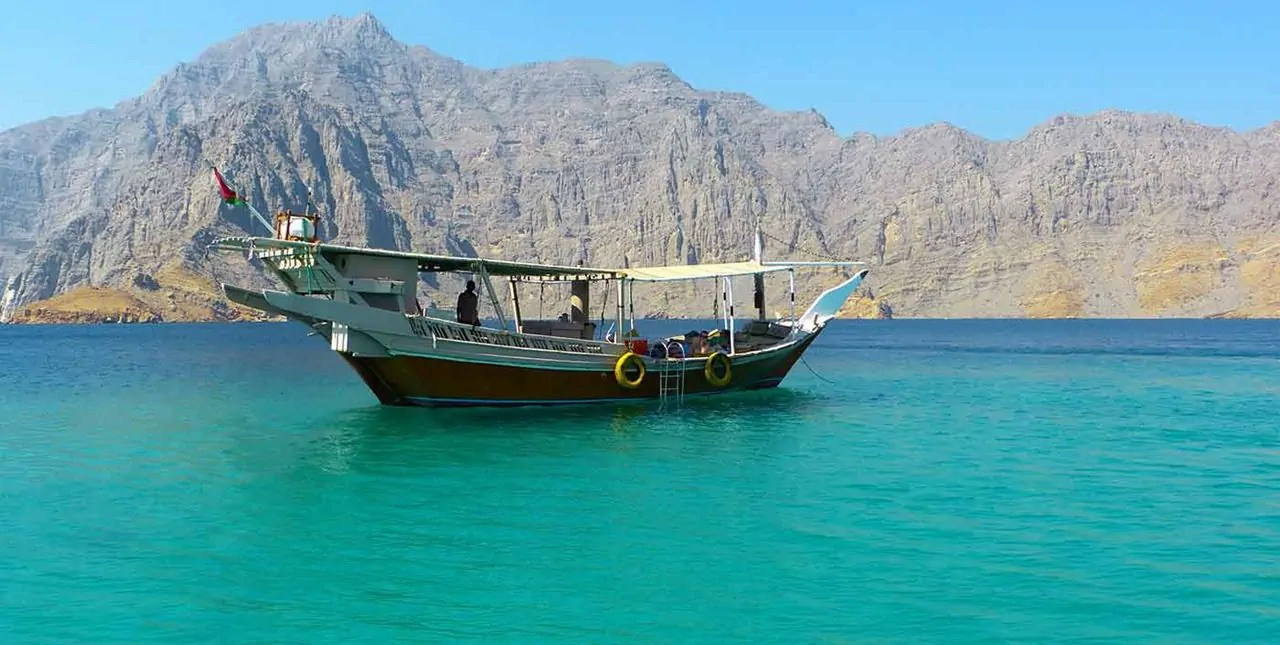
<point x="174" y="295"/>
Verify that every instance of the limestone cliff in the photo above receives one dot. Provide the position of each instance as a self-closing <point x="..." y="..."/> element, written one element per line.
<point x="1111" y="214"/>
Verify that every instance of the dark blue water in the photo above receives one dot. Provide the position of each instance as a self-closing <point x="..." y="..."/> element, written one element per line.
<point x="912" y="481"/>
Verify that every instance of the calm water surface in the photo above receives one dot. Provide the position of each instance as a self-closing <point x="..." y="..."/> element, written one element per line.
<point x="957" y="482"/>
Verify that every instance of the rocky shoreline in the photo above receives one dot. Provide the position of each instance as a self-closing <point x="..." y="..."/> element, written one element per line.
<point x="170" y="302"/>
<point x="173" y="294"/>
<point x="41" y="316"/>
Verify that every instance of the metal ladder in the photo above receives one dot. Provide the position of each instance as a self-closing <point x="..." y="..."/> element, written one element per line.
<point x="671" y="375"/>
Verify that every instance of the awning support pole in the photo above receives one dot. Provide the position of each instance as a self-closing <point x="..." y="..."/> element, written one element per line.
<point x="621" y="308"/>
<point x="515" y="306"/>
<point x="493" y="295"/>
<point x="791" y="279"/>
<point x="728" y="297"/>
<point x="631" y="305"/>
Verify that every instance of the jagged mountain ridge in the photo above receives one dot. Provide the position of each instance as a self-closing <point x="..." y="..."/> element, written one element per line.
<point x="1114" y="214"/>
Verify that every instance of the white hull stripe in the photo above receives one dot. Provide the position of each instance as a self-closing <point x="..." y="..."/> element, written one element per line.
<point x="689" y="365"/>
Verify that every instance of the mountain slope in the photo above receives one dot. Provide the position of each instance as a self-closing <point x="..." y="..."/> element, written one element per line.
<point x="1112" y="214"/>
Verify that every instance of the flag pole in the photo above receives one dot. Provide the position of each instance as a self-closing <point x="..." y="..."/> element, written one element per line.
<point x="260" y="218"/>
<point x="233" y="197"/>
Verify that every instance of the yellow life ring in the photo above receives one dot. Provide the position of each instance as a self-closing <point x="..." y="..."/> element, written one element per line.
<point x="709" y="370"/>
<point x="620" y="370"/>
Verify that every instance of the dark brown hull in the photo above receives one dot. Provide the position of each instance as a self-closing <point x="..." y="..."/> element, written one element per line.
<point x="434" y="382"/>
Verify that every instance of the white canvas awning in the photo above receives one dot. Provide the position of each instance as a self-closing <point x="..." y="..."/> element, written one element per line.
<point x="429" y="261"/>
<point x="697" y="271"/>
<point x="723" y="270"/>
<point x="529" y="270"/>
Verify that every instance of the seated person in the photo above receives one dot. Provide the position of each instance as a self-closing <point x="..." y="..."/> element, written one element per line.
<point x="469" y="305"/>
<point x="698" y="343"/>
<point x="718" y="338"/>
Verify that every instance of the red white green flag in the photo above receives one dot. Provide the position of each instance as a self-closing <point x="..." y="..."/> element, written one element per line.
<point x="232" y="197"/>
<point x="229" y="196"/>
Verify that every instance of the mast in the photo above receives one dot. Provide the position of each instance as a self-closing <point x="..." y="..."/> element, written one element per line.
<point x="580" y="300"/>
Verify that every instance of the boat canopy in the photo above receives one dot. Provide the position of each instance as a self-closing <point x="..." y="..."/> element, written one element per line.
<point x="427" y="261"/>
<point x="700" y="271"/>
<point x="528" y="270"/>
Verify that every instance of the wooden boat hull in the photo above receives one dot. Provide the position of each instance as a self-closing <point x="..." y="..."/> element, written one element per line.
<point x="437" y="382"/>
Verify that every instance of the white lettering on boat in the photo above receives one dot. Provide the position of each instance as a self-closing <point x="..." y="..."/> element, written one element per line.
<point x="424" y="328"/>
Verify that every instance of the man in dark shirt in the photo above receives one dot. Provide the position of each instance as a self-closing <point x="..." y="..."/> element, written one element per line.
<point x="469" y="305"/>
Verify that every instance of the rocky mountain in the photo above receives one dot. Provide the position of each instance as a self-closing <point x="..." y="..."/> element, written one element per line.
<point x="1110" y="214"/>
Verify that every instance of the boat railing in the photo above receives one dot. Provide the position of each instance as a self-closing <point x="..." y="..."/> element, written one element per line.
<point x="436" y="330"/>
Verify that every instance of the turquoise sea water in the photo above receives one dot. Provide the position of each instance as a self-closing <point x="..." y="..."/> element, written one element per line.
<point x="960" y="482"/>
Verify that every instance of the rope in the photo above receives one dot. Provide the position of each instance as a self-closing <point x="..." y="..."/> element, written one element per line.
<point x="311" y="262"/>
<point x="815" y="373"/>
<point x="801" y="249"/>
<point x="213" y="272"/>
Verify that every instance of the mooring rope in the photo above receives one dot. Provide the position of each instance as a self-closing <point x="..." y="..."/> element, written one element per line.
<point x="815" y="372"/>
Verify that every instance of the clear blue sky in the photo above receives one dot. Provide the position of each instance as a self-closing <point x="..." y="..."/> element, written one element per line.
<point x="995" y="68"/>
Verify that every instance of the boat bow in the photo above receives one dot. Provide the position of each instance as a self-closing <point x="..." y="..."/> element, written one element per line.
<point x="828" y="305"/>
